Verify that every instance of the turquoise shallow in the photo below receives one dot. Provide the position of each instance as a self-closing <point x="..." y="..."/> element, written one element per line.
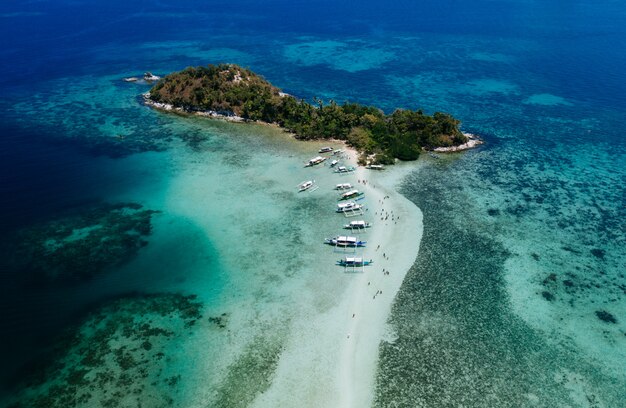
<point x="518" y="294"/>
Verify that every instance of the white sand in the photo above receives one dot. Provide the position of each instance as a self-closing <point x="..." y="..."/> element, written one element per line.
<point x="331" y="359"/>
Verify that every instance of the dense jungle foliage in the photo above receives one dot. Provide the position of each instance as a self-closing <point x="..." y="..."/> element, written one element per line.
<point x="232" y="90"/>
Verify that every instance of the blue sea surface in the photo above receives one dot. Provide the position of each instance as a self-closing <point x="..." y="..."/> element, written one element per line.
<point x="518" y="295"/>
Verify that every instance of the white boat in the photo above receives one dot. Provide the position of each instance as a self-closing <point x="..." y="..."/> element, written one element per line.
<point x="343" y="186"/>
<point x="150" y="77"/>
<point x="338" y="151"/>
<point x="376" y="167"/>
<point x="131" y="79"/>
<point x="334" y="163"/>
<point x="326" y="149"/>
<point x="357" y="225"/>
<point x="351" y="194"/>
<point x="315" y="160"/>
<point x="353" y="261"/>
<point x="305" y="185"/>
<point x="345" y="241"/>
<point x="344" y="169"/>
<point x="349" y="206"/>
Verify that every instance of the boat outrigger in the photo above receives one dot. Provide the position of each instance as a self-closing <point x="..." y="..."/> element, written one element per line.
<point x="353" y="261"/>
<point x="314" y="161"/>
<point x="307" y="185"/>
<point x="343" y="186"/>
<point x="326" y="149"/>
<point x="357" y="225"/>
<point x="351" y="194"/>
<point x="349" y="206"/>
<point x="344" y="169"/>
<point x="343" y="241"/>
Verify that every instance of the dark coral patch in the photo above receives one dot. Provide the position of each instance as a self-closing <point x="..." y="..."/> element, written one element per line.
<point x="606" y="316"/>
<point x="598" y="253"/>
<point x="493" y="212"/>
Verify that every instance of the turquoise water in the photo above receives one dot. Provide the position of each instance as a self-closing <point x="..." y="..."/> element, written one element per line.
<point x="517" y="296"/>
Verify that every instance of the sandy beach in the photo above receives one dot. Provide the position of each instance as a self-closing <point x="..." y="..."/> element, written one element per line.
<point x="394" y="246"/>
<point x="331" y="359"/>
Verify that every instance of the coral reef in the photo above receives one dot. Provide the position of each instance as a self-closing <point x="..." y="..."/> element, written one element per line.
<point x="77" y="247"/>
<point x="117" y="357"/>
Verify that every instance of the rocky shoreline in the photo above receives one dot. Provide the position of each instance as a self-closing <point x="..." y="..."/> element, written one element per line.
<point x="231" y="117"/>
<point x="473" y="141"/>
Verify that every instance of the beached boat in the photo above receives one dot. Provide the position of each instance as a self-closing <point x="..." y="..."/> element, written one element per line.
<point x="376" y="167"/>
<point x="314" y="161"/>
<point x="351" y="194"/>
<point x="334" y="163"/>
<point x="353" y="261"/>
<point x="343" y="186"/>
<point x="349" y="206"/>
<point x="305" y="185"/>
<point x="344" y="241"/>
<point x="344" y="169"/>
<point x="326" y="149"/>
<point x="357" y="225"/>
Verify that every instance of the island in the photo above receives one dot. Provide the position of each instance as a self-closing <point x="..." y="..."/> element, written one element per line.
<point x="234" y="92"/>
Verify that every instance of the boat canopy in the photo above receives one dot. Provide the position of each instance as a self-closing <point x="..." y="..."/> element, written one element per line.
<point x="343" y="186"/>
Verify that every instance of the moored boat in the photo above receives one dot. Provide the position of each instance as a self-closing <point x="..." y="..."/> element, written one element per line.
<point x="305" y="185"/>
<point x="357" y="225"/>
<point x="354" y="261"/>
<point x="343" y="186"/>
<point x="326" y="149"/>
<point x="349" y="206"/>
<point x="345" y="241"/>
<point x="351" y="194"/>
<point x="334" y="163"/>
<point x="315" y="160"/>
<point x="344" y="169"/>
<point x="376" y="167"/>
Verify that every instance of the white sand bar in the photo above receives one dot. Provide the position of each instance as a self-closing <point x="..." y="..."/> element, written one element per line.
<point x="330" y="359"/>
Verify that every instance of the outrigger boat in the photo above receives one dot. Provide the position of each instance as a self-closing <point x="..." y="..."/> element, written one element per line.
<point x="326" y="149"/>
<point x="334" y="163"/>
<point x="338" y="151"/>
<point x="305" y="185"/>
<point x="351" y="194"/>
<point x="357" y="225"/>
<point x="343" y="186"/>
<point x="343" y="241"/>
<point x="344" y="169"/>
<point x="349" y="206"/>
<point x="315" y="160"/>
<point x="352" y="261"/>
<point x="376" y="167"/>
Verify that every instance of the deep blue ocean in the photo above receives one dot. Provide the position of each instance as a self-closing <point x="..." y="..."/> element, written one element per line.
<point x="518" y="296"/>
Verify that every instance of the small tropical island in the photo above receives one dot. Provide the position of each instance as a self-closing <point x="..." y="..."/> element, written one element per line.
<point x="231" y="91"/>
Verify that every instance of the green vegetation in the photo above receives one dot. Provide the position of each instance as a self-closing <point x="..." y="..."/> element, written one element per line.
<point x="232" y="90"/>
